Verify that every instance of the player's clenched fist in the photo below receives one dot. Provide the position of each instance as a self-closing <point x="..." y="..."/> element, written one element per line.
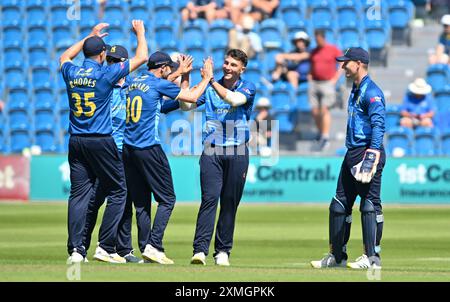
<point x="138" y="27"/>
<point x="97" y="30"/>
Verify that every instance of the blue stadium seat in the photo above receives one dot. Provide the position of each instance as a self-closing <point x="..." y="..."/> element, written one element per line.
<point x="165" y="32"/>
<point x="46" y="139"/>
<point x="198" y="53"/>
<point x="296" y="25"/>
<point x="139" y="9"/>
<point x="65" y="145"/>
<point x="18" y="94"/>
<point x="322" y="10"/>
<point x="19" y="118"/>
<point x="44" y="99"/>
<point x="348" y="9"/>
<point x="442" y="98"/>
<point x="377" y="33"/>
<point x="349" y="37"/>
<point x="116" y="10"/>
<point x="58" y="10"/>
<point x="20" y="139"/>
<point x="44" y="119"/>
<point x="88" y="14"/>
<point x="269" y="58"/>
<point x="41" y="76"/>
<point x="291" y="10"/>
<point x="13" y="58"/>
<point x="16" y="77"/>
<point x="12" y="36"/>
<point x="38" y="57"/>
<point x="219" y="29"/>
<point x="169" y="46"/>
<point x="11" y="12"/>
<point x="426" y="142"/>
<point x="301" y="98"/>
<point x="401" y="12"/>
<point x="62" y="33"/>
<point x="218" y="50"/>
<point x="36" y="13"/>
<point x="400" y="140"/>
<point x="195" y="32"/>
<point x="393" y="116"/>
<point x="438" y="75"/>
<point x="282" y="96"/>
<point x="37" y="37"/>
<point x="272" y="32"/>
<point x="163" y="9"/>
<point x="116" y="35"/>
<point x="253" y="72"/>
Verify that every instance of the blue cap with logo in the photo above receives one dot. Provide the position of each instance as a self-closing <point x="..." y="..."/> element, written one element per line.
<point x="354" y="54"/>
<point x="93" y="46"/>
<point x="117" y="52"/>
<point x="159" y="59"/>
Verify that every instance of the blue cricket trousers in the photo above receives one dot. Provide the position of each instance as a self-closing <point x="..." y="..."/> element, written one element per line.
<point x="148" y="173"/>
<point x="94" y="157"/>
<point x="124" y="241"/>
<point x="221" y="176"/>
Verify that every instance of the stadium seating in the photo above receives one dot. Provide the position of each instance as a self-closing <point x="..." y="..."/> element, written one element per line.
<point x="442" y="98"/>
<point x="438" y="75"/>
<point x="393" y="116"/>
<point x="400" y="141"/>
<point x="401" y="12"/>
<point x="426" y="142"/>
<point x="445" y="143"/>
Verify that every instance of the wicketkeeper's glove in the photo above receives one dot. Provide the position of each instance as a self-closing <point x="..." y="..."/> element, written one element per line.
<point x="366" y="169"/>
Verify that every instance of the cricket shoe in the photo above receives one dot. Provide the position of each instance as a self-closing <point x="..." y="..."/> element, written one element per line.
<point x="104" y="256"/>
<point x="221" y="259"/>
<point x="75" y="257"/>
<point x="364" y="262"/>
<point x="199" y="258"/>
<point x="153" y="255"/>
<point x="327" y="262"/>
<point x="131" y="258"/>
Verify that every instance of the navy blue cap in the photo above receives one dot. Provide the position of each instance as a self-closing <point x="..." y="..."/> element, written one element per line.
<point x="355" y="54"/>
<point x="159" y="59"/>
<point x="117" y="52"/>
<point x="93" y="46"/>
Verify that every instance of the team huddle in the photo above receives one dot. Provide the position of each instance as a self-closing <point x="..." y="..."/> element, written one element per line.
<point x="115" y="152"/>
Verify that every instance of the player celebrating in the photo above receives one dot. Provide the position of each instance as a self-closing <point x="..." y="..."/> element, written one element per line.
<point x="146" y="166"/>
<point x="361" y="169"/>
<point x="225" y="158"/>
<point x="92" y="151"/>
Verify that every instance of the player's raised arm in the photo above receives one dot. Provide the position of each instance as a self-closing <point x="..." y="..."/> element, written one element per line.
<point x="141" y="56"/>
<point x="193" y="94"/>
<point x="75" y="49"/>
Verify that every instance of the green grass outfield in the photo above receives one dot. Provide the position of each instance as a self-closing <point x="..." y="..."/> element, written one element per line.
<point x="272" y="243"/>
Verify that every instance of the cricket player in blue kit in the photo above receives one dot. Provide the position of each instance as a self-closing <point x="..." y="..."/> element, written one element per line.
<point x="115" y="54"/>
<point x="225" y="158"/>
<point x="361" y="169"/>
<point x="146" y="166"/>
<point x="92" y="151"/>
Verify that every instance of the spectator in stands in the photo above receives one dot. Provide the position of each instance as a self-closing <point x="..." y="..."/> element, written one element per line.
<point x="263" y="120"/>
<point x="421" y="9"/>
<point x="264" y="9"/>
<point x="418" y="107"/>
<point x="101" y="8"/>
<point x="204" y="9"/>
<point x="323" y="77"/>
<point x="294" y="66"/>
<point x="442" y="52"/>
<point x="242" y="37"/>
<point x="234" y="10"/>
<point x="438" y="8"/>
